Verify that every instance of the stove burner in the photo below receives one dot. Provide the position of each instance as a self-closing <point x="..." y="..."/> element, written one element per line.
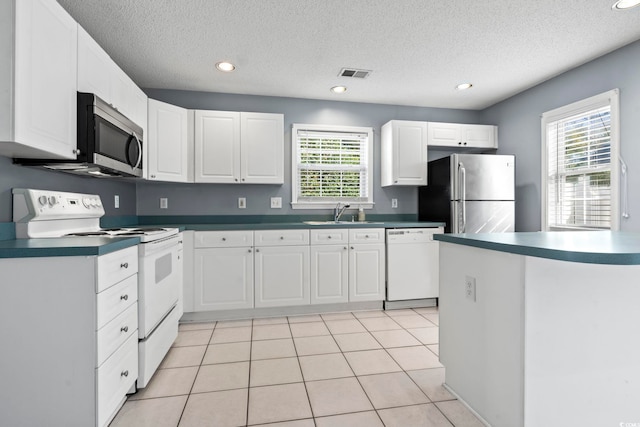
<point x="131" y="233"/>
<point x="148" y="229"/>
<point x="88" y="233"/>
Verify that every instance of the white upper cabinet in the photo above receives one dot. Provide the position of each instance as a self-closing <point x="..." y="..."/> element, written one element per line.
<point x="168" y="142"/>
<point x="462" y="135"/>
<point x="404" y="153"/>
<point x="234" y="147"/>
<point x="38" y="74"/>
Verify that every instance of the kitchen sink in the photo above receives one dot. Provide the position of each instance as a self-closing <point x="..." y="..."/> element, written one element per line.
<point x="339" y="222"/>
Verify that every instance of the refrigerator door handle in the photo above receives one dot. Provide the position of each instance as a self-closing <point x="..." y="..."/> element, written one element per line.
<point x="463" y="195"/>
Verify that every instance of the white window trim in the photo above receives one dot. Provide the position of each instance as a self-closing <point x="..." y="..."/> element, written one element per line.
<point x="294" y="167"/>
<point x="607" y="98"/>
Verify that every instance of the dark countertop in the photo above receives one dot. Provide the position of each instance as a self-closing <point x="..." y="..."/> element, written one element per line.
<point x="303" y="225"/>
<point x="591" y="247"/>
<point x="64" y="246"/>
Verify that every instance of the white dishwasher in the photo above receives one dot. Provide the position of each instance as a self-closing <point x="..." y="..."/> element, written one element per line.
<point x="412" y="264"/>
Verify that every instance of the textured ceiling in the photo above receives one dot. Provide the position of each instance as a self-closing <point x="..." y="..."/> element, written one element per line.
<point x="418" y="49"/>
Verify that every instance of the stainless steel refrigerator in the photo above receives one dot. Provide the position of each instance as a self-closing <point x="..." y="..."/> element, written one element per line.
<point x="471" y="193"/>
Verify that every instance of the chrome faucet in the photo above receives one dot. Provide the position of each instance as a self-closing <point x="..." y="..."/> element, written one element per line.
<point x="338" y="211"/>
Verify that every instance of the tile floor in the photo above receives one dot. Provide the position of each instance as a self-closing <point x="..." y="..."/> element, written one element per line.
<point x="371" y="368"/>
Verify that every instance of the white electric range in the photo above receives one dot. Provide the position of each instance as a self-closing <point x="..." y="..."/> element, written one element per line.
<point x="55" y="214"/>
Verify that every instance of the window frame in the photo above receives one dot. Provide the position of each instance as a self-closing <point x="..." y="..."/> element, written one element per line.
<point x="295" y="204"/>
<point x="611" y="99"/>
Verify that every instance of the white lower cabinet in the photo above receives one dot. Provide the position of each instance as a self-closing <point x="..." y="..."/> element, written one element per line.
<point x="366" y="264"/>
<point x="329" y="266"/>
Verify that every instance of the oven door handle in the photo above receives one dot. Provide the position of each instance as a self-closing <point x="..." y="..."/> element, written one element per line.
<point x="168" y="243"/>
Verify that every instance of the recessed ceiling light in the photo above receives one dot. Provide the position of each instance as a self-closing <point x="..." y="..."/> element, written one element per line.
<point x="338" y="89"/>
<point x="625" y="4"/>
<point x="227" y="67"/>
<point x="463" y="86"/>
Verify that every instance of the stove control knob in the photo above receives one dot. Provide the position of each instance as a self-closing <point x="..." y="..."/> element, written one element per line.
<point x="42" y="200"/>
<point x="98" y="203"/>
<point x="85" y="202"/>
<point x="92" y="202"/>
<point x="53" y="201"/>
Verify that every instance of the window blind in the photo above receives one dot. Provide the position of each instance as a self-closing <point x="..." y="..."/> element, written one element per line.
<point x="579" y="170"/>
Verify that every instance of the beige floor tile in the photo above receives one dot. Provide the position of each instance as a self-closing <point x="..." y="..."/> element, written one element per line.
<point x="426" y="335"/>
<point x="337" y="316"/>
<point x="221" y="409"/>
<point x="417" y="415"/>
<point x="400" y="312"/>
<point x="272" y="349"/>
<point x="277" y="403"/>
<point x="390" y="390"/>
<point x="324" y="367"/>
<point x="196" y="326"/>
<point x="168" y="382"/>
<point x="323" y="344"/>
<point x="308" y="329"/>
<point x="162" y="412"/>
<point x="340" y="396"/>
<point x="426" y="310"/>
<point x="371" y="362"/>
<point x="435" y="348"/>
<point x="413" y="321"/>
<point x="228" y="352"/>
<point x="225" y="376"/>
<point x="305" y="318"/>
<point x="234" y="323"/>
<point x="345" y="326"/>
<point x="226" y="335"/>
<point x="368" y="314"/>
<point x="180" y="357"/>
<point x="297" y="423"/>
<point x="271" y="332"/>
<point x="270" y="321"/>
<point x="412" y="358"/>
<point x="458" y="414"/>
<point x="356" y="342"/>
<point x="433" y="318"/>
<point x="395" y="338"/>
<point x="190" y="338"/>
<point x="275" y="371"/>
<point x="379" y="323"/>
<point x="430" y="382"/>
<point x="359" y="419"/>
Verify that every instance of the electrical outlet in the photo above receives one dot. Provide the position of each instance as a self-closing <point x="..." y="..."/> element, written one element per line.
<point x="164" y="203"/>
<point x="394" y="203"/>
<point x="470" y="288"/>
<point x="276" y="202"/>
<point x="116" y="201"/>
<point x="242" y="202"/>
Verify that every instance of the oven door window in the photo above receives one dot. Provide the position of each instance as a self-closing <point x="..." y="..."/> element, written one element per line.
<point x="163" y="267"/>
<point x="115" y="143"/>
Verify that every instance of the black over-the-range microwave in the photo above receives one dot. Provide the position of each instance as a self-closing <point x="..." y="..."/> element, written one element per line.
<point x="108" y="144"/>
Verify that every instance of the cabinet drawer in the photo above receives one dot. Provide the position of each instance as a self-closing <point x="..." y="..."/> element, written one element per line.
<point x="116" y="299"/>
<point x="115" y="267"/>
<point x="115" y="377"/>
<point x="116" y="332"/>
<point x="329" y="237"/>
<point x="366" y="235"/>
<point x="281" y="237"/>
<point x="223" y="239"/>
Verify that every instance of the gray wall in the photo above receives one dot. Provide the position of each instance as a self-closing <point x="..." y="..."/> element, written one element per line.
<point x="519" y="131"/>
<point x="222" y="199"/>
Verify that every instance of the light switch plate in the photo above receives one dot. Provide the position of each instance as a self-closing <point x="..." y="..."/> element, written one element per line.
<point x="242" y="202"/>
<point x="276" y="202"/>
<point x="164" y="203"/>
<point x="394" y="203"/>
<point x="116" y="201"/>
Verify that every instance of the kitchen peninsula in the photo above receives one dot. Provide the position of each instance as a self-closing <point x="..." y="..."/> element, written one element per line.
<point x="542" y="329"/>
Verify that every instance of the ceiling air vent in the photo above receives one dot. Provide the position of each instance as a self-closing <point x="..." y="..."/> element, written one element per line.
<point x="352" y="72"/>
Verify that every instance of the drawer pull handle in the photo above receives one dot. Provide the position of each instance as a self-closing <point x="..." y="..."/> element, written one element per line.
<point x="351" y="247"/>
<point x="249" y="250"/>
<point x="124" y="265"/>
<point x="281" y="237"/>
<point x="124" y="297"/>
<point x="366" y="236"/>
<point x="124" y="329"/>
<point x="224" y="239"/>
<point x="345" y="248"/>
<point x="124" y="373"/>
<point x="328" y="237"/>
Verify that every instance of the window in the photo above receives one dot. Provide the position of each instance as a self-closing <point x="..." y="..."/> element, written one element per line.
<point x="580" y="165"/>
<point x="331" y="164"/>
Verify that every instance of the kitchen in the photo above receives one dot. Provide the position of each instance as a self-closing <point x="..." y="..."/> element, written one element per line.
<point x="518" y="120"/>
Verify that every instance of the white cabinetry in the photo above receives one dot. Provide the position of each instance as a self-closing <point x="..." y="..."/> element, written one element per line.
<point x="329" y="266"/>
<point x="235" y="147"/>
<point x="281" y="268"/>
<point x="404" y="153"/>
<point x="168" y="142"/>
<point x="38" y="74"/>
<point x="462" y="135"/>
<point x="223" y="270"/>
<point x="366" y="264"/>
<point x="76" y="339"/>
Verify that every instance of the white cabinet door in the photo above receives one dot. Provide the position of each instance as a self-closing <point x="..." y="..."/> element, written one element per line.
<point x="44" y="75"/>
<point x="462" y="135"/>
<point x="404" y="153"/>
<point x="281" y="276"/>
<point x="366" y="272"/>
<point x="168" y="142"/>
<point x="262" y="148"/>
<point x="444" y="134"/>
<point x="217" y="146"/>
<point x="223" y="278"/>
<point x="94" y="67"/>
<point x="480" y="136"/>
<point x="329" y="274"/>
